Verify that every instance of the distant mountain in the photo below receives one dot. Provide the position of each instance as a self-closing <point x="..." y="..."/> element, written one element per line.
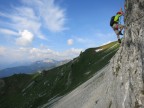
<point x="41" y="90"/>
<point x="37" y="66"/>
<point x="13" y="64"/>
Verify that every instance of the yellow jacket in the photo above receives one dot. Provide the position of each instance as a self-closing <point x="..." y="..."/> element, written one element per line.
<point x="116" y="19"/>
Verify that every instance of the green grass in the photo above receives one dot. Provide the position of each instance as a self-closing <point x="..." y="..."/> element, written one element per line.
<point x="39" y="88"/>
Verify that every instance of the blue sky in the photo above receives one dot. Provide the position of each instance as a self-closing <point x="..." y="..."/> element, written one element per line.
<point x="59" y="29"/>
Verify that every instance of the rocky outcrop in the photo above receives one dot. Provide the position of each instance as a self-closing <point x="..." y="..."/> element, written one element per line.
<point x="121" y="83"/>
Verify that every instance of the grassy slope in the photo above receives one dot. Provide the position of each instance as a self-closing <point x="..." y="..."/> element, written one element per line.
<point x="31" y="91"/>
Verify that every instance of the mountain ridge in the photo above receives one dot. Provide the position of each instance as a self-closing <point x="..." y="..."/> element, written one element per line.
<point x="31" y="91"/>
<point x="36" y="66"/>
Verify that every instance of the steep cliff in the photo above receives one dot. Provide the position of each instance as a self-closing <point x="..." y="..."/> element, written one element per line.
<point x="121" y="83"/>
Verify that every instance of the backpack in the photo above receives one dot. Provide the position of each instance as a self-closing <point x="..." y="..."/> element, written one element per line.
<point x="112" y="21"/>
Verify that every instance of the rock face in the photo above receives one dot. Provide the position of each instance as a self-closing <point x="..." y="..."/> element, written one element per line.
<point x="121" y="83"/>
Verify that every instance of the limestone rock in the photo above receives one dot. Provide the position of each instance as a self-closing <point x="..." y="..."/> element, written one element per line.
<point x="121" y="83"/>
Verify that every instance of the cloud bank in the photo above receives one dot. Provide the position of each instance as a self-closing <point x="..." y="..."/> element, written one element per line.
<point x="34" y="54"/>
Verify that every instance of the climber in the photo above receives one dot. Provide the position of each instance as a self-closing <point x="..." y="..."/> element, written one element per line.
<point x="114" y="23"/>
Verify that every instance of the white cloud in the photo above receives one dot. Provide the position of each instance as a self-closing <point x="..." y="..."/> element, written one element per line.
<point x="72" y="52"/>
<point x="26" y="12"/>
<point x="70" y="41"/>
<point x="48" y="53"/>
<point x="52" y="15"/>
<point x="33" y="15"/>
<point x="55" y="19"/>
<point x="26" y="37"/>
<point x="24" y="54"/>
<point x="41" y="36"/>
<point x="23" y="18"/>
<point x="8" y="32"/>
